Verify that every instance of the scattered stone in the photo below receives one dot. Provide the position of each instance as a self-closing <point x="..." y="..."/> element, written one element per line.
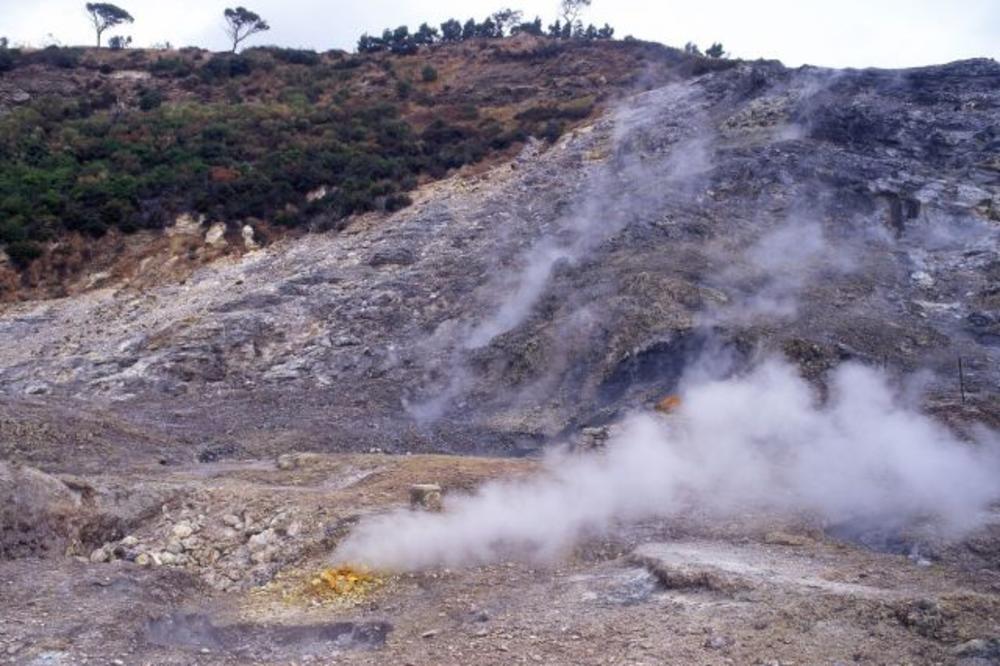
<point x="129" y="542"/>
<point x="317" y="194"/>
<point x="680" y="576"/>
<point x="248" y="238"/>
<point x="718" y="642"/>
<point x="101" y="554"/>
<point x="289" y="461"/>
<point x="346" y="341"/>
<point x="429" y="634"/>
<point x="593" y="438"/>
<point x="979" y="648"/>
<point x="426" y="496"/>
<point x="264" y="556"/>
<point x="262" y="540"/>
<point x="922" y="279"/>
<point x="216" y="235"/>
<point x="182" y="530"/>
<point x="234" y="521"/>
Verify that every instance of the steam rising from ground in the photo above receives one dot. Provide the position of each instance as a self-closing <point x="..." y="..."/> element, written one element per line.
<point x="761" y="441"/>
<point x="630" y="183"/>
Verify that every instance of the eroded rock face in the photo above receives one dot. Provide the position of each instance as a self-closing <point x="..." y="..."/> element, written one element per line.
<point x="42" y="515"/>
<point x="826" y="215"/>
<point x="39" y="514"/>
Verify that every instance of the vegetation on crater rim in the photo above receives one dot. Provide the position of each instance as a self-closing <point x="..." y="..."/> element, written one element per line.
<point x="291" y="136"/>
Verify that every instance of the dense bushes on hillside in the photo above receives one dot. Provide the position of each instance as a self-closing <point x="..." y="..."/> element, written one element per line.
<point x="65" y="166"/>
<point x="249" y="135"/>
<point x="53" y="56"/>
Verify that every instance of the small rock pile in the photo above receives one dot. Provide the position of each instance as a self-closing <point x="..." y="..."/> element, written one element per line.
<point x="228" y="551"/>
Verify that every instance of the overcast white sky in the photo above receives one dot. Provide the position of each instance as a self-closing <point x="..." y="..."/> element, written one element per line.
<point x="845" y="33"/>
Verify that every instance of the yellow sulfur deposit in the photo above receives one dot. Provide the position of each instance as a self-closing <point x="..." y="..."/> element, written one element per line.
<point x="669" y="404"/>
<point x="344" y="582"/>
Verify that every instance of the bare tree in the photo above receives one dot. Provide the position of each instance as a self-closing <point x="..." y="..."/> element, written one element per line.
<point x="241" y="23"/>
<point x="570" y="10"/>
<point x="505" y="19"/>
<point x="104" y="15"/>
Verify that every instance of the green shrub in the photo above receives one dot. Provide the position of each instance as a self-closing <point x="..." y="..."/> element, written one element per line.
<point x="22" y="253"/>
<point x="576" y="110"/>
<point x="225" y="66"/>
<point x="348" y="63"/>
<point x="553" y="130"/>
<point x="395" y="202"/>
<point x="171" y="67"/>
<point x="8" y="58"/>
<point x="12" y="231"/>
<point x="288" y="218"/>
<point x="150" y="98"/>
<point x="428" y="74"/>
<point x="56" y="56"/>
<point x="294" y="97"/>
<point x="295" y="56"/>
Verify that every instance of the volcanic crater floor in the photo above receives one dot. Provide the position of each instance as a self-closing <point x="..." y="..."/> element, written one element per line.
<point x="222" y="571"/>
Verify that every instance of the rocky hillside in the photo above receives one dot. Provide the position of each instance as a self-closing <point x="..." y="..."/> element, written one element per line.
<point x="236" y="284"/>
<point x="102" y="150"/>
<point x="824" y="215"/>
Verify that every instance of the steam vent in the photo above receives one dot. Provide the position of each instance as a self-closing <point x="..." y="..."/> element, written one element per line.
<point x="499" y="340"/>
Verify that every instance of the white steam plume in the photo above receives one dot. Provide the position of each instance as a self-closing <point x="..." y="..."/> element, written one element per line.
<point x="769" y="277"/>
<point x="758" y="441"/>
<point x="633" y="179"/>
<point x="606" y="207"/>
